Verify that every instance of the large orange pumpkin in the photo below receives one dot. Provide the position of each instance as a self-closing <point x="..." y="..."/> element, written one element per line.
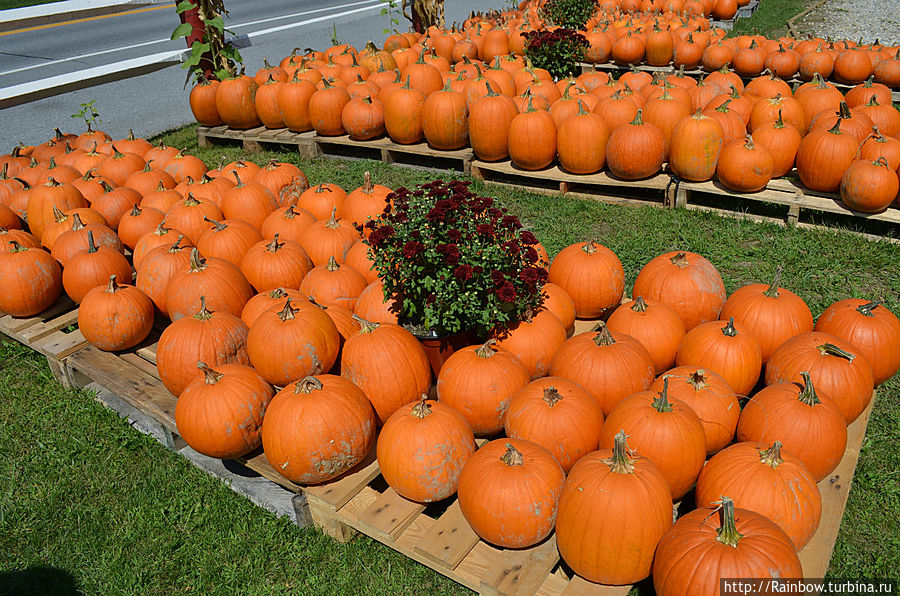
<point x="213" y="337"/>
<point x="534" y="341"/>
<point x="31" y="278"/>
<point x="655" y="325"/>
<point x="389" y="364"/>
<point x="722" y="347"/>
<point x="509" y="491"/>
<point x="767" y="480"/>
<point x="115" y="317"/>
<point x="834" y="364"/>
<point x="220" y="414"/>
<point x="734" y="543"/>
<point x="317" y="428"/>
<point x="685" y="281"/>
<point x="871" y="328"/>
<point x="557" y="414"/>
<point x="593" y="277"/>
<point x="223" y="284"/>
<point x="614" y="508"/>
<point x="422" y="449"/>
<point x="806" y="421"/>
<point x="609" y="365"/>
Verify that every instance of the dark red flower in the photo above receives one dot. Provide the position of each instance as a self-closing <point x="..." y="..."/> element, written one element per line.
<point x="412" y="249"/>
<point x="498" y="278"/>
<point x="380" y="235"/>
<point x="506" y="292"/>
<point x="531" y="255"/>
<point x="527" y="237"/>
<point x="454" y="234"/>
<point x="511" y="246"/>
<point x="485" y="230"/>
<point x="463" y="272"/>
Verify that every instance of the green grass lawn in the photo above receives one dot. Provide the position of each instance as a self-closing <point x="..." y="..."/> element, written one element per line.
<point x="88" y="503"/>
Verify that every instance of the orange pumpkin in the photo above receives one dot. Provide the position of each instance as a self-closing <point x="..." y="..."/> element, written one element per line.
<point x="422" y="449"/>
<point x="655" y="325"/>
<point x="592" y="276"/>
<point x="871" y="328"/>
<point x="509" y="492"/>
<point x="32" y="280"/>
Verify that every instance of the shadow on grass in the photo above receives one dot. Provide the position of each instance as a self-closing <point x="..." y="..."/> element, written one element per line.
<point x="40" y="580"/>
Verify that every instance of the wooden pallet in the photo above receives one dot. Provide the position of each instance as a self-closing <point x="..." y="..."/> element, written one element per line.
<point x="312" y="146"/>
<point x="663" y="190"/>
<point x="361" y="502"/>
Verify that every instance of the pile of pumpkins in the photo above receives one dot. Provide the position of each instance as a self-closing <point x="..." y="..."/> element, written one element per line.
<point x="742" y="135"/>
<point x="279" y="335"/>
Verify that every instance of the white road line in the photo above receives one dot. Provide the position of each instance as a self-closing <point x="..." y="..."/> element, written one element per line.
<point x="252" y="34"/>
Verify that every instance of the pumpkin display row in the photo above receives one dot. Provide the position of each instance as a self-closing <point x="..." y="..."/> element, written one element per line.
<point x="280" y="329"/>
<point x="741" y="135"/>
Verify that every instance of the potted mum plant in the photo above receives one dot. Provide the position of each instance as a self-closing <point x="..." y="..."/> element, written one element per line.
<point x="457" y="266"/>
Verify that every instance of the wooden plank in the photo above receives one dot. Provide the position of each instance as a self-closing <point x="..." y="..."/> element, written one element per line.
<point x="388" y="516"/>
<point x="51" y="325"/>
<point x="578" y="586"/>
<point x="449" y="540"/>
<point x="128" y="382"/>
<point x="13" y="326"/>
<point x="556" y="174"/>
<point x="257" y="462"/>
<point x="138" y="362"/>
<point x="554" y="584"/>
<point x="835" y="489"/>
<point x="59" y="345"/>
<point x="337" y="493"/>
<point x="585" y="325"/>
<point x="521" y="572"/>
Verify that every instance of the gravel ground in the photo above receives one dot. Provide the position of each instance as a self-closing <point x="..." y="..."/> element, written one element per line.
<point x="855" y="19"/>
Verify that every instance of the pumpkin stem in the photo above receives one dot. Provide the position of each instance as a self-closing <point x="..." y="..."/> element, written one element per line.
<point x="772" y="291"/>
<point x="274" y="245"/>
<point x="637" y="119"/>
<point x="332" y="223"/>
<point x="828" y="349"/>
<point x="92" y="247"/>
<point x="191" y="200"/>
<point x="621" y="461"/>
<point x="307" y="385"/>
<point x="749" y="144"/>
<point x="365" y="326"/>
<point x="112" y="286"/>
<point x="808" y="395"/>
<point x="866" y="309"/>
<point x="512" y="457"/>
<point x="287" y="312"/>
<point x="680" y="260"/>
<point x="486" y="350"/>
<point x="727" y="532"/>
<point x="277" y="293"/>
<point x="639" y="305"/>
<point x="332" y="264"/>
<point x="844" y="111"/>
<point x="697" y="379"/>
<point x="603" y="337"/>
<point x="367" y="187"/>
<point x="836" y="129"/>
<point x="16" y="247"/>
<point x="552" y="396"/>
<point x="772" y="456"/>
<point x="136" y="210"/>
<point x="421" y="409"/>
<point x="729" y="329"/>
<point x="217" y="225"/>
<point x="204" y="314"/>
<point x="176" y="246"/>
<point x="196" y="262"/>
<point x="589" y="247"/>
<point x="210" y="376"/>
<point x="238" y="178"/>
<point x="661" y="402"/>
<point x="59" y="216"/>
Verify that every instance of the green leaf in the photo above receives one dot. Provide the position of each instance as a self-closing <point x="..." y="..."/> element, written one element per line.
<point x="183" y="30"/>
<point x="217" y="23"/>
<point x="185" y="6"/>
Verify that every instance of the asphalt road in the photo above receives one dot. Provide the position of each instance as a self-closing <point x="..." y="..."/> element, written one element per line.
<point x="157" y="101"/>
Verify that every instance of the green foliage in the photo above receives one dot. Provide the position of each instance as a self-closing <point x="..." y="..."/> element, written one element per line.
<point x="212" y="52"/>
<point x="558" y="51"/>
<point x="88" y="113"/>
<point x="572" y="14"/>
<point x="390" y="10"/>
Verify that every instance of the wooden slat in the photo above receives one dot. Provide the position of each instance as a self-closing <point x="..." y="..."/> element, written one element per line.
<point x="449" y="540"/>
<point x="338" y="493"/>
<point x="835" y="489"/>
<point x="128" y="382"/>
<point x="51" y="325"/>
<point x="388" y="516"/>
<point x="138" y="362"/>
<point x="521" y="572"/>
<point x="578" y="586"/>
<point x="257" y="462"/>
<point x="556" y="174"/>
<point x="13" y="326"/>
<point x="59" y="345"/>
